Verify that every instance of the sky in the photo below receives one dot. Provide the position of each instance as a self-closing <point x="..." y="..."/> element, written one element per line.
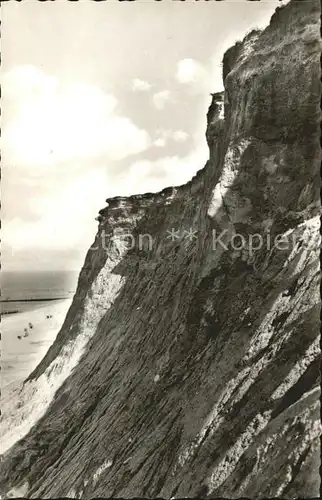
<point x="99" y="100"/>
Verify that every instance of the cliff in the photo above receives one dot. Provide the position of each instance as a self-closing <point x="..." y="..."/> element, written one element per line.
<point x="188" y="363"/>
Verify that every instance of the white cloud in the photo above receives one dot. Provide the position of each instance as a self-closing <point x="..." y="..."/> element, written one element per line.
<point x="47" y="121"/>
<point x="161" y="98"/>
<point x="139" y="85"/>
<point x="66" y="218"/>
<point x="180" y="136"/>
<point x="163" y="135"/>
<point x="189" y="71"/>
<point x="64" y="224"/>
<point x="54" y="138"/>
<point x="160" y="142"/>
<point x="152" y="176"/>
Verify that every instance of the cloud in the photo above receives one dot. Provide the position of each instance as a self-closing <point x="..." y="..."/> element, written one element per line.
<point x="189" y="71"/>
<point x="160" y="142"/>
<point x="180" y="136"/>
<point x="154" y="175"/>
<point x="140" y="85"/>
<point x="58" y="139"/>
<point x="160" y="98"/>
<point x="64" y="227"/>
<point x="48" y="122"/>
<point x="164" y="135"/>
<point x="62" y="142"/>
<point x="65" y="215"/>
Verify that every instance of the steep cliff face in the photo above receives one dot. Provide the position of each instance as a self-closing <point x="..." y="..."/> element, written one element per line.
<point x="188" y="363"/>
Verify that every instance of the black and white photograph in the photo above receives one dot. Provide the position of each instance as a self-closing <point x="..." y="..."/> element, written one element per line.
<point x="160" y="249"/>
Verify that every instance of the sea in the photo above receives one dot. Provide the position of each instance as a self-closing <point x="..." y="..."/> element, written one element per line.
<point x="24" y="291"/>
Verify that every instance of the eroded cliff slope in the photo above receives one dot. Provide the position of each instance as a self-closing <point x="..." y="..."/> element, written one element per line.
<point x="188" y="363"/>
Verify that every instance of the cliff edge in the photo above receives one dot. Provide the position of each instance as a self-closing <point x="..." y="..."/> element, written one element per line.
<point x="188" y="363"/>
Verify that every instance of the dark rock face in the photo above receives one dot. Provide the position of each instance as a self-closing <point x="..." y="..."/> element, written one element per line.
<point x="199" y="369"/>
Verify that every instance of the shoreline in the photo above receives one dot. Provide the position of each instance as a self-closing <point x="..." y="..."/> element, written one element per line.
<point x="27" y="335"/>
<point x="9" y="307"/>
<point x="35" y="300"/>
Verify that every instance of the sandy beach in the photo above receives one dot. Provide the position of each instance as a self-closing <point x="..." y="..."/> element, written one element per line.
<point x="20" y="402"/>
<point x="37" y="329"/>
